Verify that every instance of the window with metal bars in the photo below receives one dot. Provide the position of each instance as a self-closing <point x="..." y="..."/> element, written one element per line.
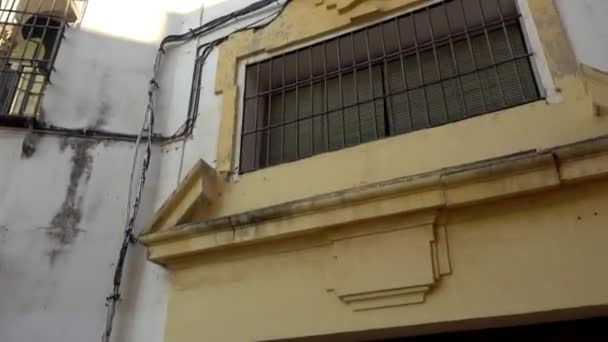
<point x="30" y="35"/>
<point x="450" y="61"/>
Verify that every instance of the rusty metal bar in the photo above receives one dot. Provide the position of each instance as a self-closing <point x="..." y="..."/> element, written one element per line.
<point x="511" y="53"/>
<point x="30" y="22"/>
<point x="377" y="54"/>
<point x="437" y="68"/>
<point x="376" y="98"/>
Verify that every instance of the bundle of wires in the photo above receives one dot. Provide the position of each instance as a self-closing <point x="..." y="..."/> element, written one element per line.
<point x="205" y="50"/>
<point x="147" y="130"/>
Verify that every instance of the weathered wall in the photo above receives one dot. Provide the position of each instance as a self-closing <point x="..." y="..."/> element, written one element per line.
<point x="178" y="158"/>
<point x="268" y="262"/>
<point x="61" y="219"/>
<point x="63" y="207"/>
<point x="571" y="115"/>
<point x="528" y="255"/>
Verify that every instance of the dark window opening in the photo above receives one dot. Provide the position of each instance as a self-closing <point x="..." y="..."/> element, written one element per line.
<point x="444" y="63"/>
<point x="30" y="35"/>
<point x="568" y="331"/>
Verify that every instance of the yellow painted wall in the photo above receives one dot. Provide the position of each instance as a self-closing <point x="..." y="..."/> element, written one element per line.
<point x="534" y="126"/>
<point x="532" y="254"/>
<point x="456" y="248"/>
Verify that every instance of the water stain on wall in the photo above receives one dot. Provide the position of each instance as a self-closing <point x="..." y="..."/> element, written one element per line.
<point x="64" y="226"/>
<point x="29" y="144"/>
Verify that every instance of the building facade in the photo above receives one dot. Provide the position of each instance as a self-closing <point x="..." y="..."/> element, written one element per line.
<point x="328" y="170"/>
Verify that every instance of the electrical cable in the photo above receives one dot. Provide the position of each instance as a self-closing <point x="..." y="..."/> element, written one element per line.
<point x="40" y="127"/>
<point x="147" y="129"/>
<point x="187" y="128"/>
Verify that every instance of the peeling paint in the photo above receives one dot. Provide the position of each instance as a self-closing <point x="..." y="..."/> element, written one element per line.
<point x="64" y="227"/>
<point x="559" y="52"/>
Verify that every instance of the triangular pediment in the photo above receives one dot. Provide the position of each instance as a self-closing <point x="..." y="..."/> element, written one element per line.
<point x="194" y="190"/>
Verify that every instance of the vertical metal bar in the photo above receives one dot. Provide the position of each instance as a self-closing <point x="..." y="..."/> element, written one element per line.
<point x="352" y="40"/>
<point x="437" y="67"/>
<point x="8" y="42"/>
<point x="492" y="59"/>
<point x="255" y="118"/>
<point x="312" y="102"/>
<point x="53" y="54"/>
<point x="33" y="27"/>
<point x="405" y="86"/>
<point x="325" y="100"/>
<point x="473" y="59"/>
<point x="388" y="119"/>
<point x="5" y="22"/>
<point x="341" y="92"/>
<point x="18" y="25"/>
<point x="26" y="95"/>
<point x="456" y="67"/>
<point x="46" y="26"/>
<point x="5" y="72"/>
<point x="50" y="61"/>
<point x="504" y="28"/>
<point x="297" y="105"/>
<point x="27" y="90"/>
<point x="269" y="124"/>
<point x="58" y="39"/>
<point x="284" y="58"/>
<point x="372" y="87"/>
<point x="40" y="62"/>
<point x="422" y="82"/>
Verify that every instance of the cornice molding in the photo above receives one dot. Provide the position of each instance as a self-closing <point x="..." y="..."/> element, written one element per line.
<point x="464" y="185"/>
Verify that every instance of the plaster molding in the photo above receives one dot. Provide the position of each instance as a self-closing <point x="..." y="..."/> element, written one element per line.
<point x="388" y="268"/>
<point x="197" y="187"/>
<point x="411" y="196"/>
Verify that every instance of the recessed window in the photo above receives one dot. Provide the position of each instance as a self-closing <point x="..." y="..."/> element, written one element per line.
<point x="30" y="35"/>
<point x="444" y="63"/>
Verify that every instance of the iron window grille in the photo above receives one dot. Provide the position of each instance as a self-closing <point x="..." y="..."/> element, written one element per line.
<point x="30" y="35"/>
<point x="447" y="62"/>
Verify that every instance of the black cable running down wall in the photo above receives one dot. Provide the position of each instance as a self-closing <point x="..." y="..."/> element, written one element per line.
<point x="187" y="127"/>
<point x="148" y="127"/>
<point x="203" y="53"/>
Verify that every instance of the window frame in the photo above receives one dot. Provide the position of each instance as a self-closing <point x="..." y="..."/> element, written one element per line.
<point x="53" y="22"/>
<point x="540" y="69"/>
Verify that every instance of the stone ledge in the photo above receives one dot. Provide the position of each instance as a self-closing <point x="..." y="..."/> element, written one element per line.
<point x="457" y="186"/>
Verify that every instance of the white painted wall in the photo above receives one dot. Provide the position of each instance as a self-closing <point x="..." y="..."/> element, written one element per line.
<point x="62" y="209"/>
<point x="178" y="158"/>
<point x="585" y="22"/>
